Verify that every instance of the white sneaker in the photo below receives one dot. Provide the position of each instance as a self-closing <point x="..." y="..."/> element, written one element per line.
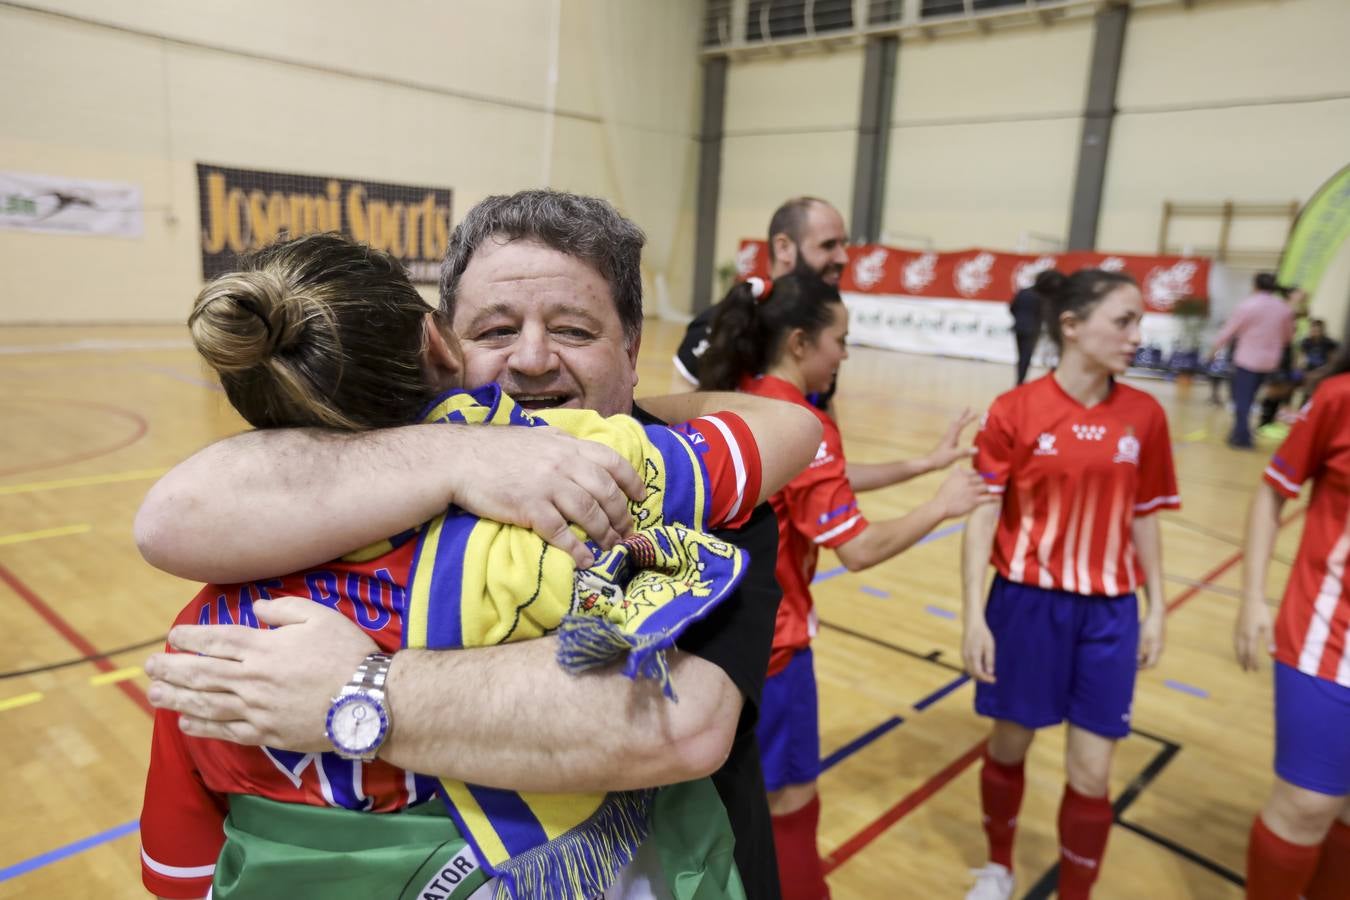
<point x="993" y="882"/>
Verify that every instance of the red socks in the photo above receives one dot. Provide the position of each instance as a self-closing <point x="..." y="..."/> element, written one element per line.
<point x="1084" y="826"/>
<point x="1331" y="881"/>
<point x="799" y="869"/>
<point x="1000" y="798"/>
<point x="1277" y="869"/>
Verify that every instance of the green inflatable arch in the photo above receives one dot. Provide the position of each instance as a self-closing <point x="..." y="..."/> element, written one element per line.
<point x="1323" y="226"/>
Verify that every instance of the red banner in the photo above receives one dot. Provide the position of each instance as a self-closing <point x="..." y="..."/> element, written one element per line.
<point x="993" y="275"/>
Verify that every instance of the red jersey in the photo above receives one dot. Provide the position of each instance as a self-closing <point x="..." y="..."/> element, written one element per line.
<point x="1074" y="479"/>
<point x="189" y="779"/>
<point x="816" y="509"/>
<point x="1310" y="633"/>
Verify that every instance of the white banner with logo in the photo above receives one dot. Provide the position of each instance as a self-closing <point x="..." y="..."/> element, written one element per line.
<point x="53" y="204"/>
<point x="974" y="329"/>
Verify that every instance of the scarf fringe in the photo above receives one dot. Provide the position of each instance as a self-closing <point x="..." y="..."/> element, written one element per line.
<point x="587" y="642"/>
<point x="585" y="861"/>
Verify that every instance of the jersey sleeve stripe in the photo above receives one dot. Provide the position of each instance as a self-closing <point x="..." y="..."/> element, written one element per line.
<point x="1274" y="475"/>
<point x="168" y="871"/>
<point x="737" y="459"/>
<point x="1171" y="501"/>
<point x="837" y="530"/>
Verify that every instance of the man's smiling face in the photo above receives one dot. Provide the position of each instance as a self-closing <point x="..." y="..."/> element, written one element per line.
<point x="543" y="325"/>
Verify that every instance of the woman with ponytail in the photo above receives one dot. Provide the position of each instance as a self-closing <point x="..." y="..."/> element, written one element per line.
<point x="784" y="340"/>
<point x="1300" y="841"/>
<point x="322" y="332"/>
<point x="1081" y="464"/>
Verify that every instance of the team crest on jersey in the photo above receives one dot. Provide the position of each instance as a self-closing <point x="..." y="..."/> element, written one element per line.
<point x="1127" y="449"/>
<point x="1089" y="432"/>
<point x="823" y="455"/>
<point x="1045" y="445"/>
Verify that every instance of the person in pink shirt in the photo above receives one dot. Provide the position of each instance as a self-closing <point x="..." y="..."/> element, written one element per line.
<point x="1262" y="325"/>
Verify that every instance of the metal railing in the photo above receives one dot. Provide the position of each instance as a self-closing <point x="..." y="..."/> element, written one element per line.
<point x="748" y="27"/>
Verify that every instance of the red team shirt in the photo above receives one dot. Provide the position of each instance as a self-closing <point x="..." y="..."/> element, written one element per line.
<point x="189" y="778"/>
<point x="816" y="509"/>
<point x="1075" y="479"/>
<point x="1310" y="634"/>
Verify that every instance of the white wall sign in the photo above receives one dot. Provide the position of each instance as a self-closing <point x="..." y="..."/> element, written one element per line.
<point x="53" y="204"/>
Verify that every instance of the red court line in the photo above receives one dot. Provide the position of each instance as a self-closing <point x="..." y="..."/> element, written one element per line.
<point x="77" y="640"/>
<point x="1210" y="576"/>
<point x="140" y="427"/>
<point x="845" y="851"/>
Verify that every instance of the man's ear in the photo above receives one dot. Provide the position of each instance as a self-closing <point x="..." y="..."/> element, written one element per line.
<point x="632" y="350"/>
<point x="782" y="254"/>
<point x="441" y="353"/>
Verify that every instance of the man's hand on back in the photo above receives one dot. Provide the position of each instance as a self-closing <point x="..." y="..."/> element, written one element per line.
<point x="260" y="687"/>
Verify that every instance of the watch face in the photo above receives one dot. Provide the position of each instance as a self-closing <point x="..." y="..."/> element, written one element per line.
<point x="356" y="723"/>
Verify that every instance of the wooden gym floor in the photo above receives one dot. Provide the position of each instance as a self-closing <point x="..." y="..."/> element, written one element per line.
<point x="92" y="415"/>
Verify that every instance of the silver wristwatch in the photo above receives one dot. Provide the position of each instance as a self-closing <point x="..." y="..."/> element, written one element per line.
<point x="359" y="718"/>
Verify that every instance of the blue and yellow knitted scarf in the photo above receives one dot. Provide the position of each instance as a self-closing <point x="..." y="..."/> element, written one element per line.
<point x="476" y="583"/>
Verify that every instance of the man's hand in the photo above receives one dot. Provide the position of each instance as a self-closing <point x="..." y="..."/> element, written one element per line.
<point x="260" y="687"/>
<point x="1151" y="636"/>
<point x="949" y="449"/>
<point x="543" y="479"/>
<point x="1251" y="635"/>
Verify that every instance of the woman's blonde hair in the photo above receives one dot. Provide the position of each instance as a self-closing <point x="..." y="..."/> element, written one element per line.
<point x="316" y="331"/>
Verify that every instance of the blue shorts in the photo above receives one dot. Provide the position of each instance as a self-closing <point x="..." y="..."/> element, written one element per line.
<point x="1312" y="731"/>
<point x="1059" y="655"/>
<point x="789" y="726"/>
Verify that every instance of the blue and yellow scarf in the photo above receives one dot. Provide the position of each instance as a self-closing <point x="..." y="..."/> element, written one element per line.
<point x="477" y="583"/>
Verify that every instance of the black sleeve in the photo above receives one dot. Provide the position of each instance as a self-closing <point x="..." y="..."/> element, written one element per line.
<point x="738" y="635"/>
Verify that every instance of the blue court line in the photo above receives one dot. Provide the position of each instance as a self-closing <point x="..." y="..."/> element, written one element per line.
<point x="1187" y="688"/>
<point x="860" y="742"/>
<point x="876" y="592"/>
<point x="941" y="533"/>
<point x="829" y="573"/>
<point x="939" y="612"/>
<point x="60" y="853"/>
<point x="941" y="692"/>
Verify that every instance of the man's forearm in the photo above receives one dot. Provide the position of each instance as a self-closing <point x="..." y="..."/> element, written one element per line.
<point x="516" y="720"/>
<point x="274" y="501"/>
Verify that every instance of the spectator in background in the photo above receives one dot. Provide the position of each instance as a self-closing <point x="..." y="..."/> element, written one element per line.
<point x="1317" y="348"/>
<point x="1026" y="312"/>
<point x="1262" y="326"/>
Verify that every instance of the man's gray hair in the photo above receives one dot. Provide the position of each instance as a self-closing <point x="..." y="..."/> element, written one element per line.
<point x="587" y="228"/>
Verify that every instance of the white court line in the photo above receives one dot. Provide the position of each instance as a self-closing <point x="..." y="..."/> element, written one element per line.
<point x="105" y="345"/>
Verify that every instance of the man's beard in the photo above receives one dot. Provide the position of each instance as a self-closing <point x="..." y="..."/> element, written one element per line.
<point x="830" y="272"/>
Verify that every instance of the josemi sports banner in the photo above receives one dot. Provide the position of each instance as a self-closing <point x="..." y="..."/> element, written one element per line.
<point x="244" y="210"/>
<point x="955" y="304"/>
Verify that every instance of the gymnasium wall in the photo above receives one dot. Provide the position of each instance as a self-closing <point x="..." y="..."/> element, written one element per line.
<point x="1247" y="100"/>
<point x="448" y="95"/>
<point x="790" y="128"/>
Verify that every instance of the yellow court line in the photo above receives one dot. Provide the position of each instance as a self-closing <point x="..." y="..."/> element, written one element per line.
<point x="1197" y="435"/>
<point x="85" y="481"/>
<point x="116" y="675"/>
<point x="21" y="700"/>
<point x="63" y="531"/>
